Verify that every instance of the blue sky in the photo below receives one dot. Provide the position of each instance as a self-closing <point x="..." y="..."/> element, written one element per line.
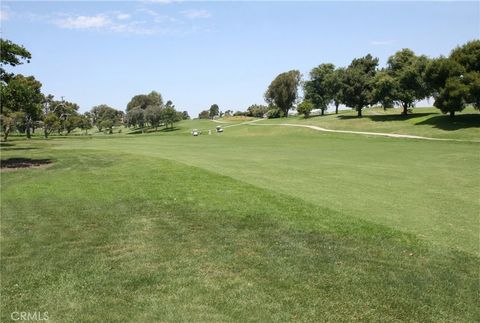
<point x="200" y="53"/>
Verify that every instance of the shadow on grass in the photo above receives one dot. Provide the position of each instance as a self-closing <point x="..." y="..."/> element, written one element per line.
<point x="387" y="117"/>
<point x="2" y="148"/>
<point x="461" y="121"/>
<point x="398" y="117"/>
<point x="150" y="131"/>
<point x="23" y="163"/>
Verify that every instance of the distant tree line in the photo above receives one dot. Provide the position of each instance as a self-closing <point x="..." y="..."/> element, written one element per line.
<point x="24" y="108"/>
<point x="148" y="110"/>
<point x="453" y="82"/>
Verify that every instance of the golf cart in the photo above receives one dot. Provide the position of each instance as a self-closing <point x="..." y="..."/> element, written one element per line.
<point x="196" y="132"/>
<point x="219" y="129"/>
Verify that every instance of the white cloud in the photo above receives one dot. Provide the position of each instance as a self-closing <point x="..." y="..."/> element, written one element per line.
<point x="123" y="16"/>
<point x="381" y="42"/>
<point x="84" y="22"/>
<point x="195" y="13"/>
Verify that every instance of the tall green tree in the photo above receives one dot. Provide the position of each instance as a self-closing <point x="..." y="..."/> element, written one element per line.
<point x="358" y="83"/>
<point x="153" y="115"/>
<point x="104" y="116"/>
<point x="142" y="101"/>
<point x="336" y="84"/>
<point x="86" y="122"/>
<point x="23" y="94"/>
<point x="13" y="55"/>
<point x="214" y="111"/>
<point x="454" y="81"/>
<point x="205" y="114"/>
<point x="319" y="89"/>
<point x="283" y="91"/>
<point x="136" y="118"/>
<point x="384" y="87"/>
<point x="169" y="117"/>
<point x="408" y="70"/>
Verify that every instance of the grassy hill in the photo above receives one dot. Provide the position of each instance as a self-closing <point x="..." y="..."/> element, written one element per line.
<point x="254" y="224"/>
<point x="427" y="122"/>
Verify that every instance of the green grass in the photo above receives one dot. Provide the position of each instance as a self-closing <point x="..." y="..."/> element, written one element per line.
<point x="428" y="122"/>
<point x="255" y="224"/>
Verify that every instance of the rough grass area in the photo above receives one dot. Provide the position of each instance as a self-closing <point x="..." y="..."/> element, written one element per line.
<point x="255" y="224"/>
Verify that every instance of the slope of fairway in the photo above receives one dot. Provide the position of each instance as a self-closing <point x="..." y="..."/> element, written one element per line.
<point x="422" y="187"/>
<point x="114" y="232"/>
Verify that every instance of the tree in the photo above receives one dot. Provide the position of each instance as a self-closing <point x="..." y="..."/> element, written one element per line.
<point x="103" y="112"/>
<point x="283" y="91"/>
<point x="408" y="70"/>
<point x="319" y="89"/>
<point x="384" y="88"/>
<point x="336" y="84"/>
<point x="22" y="94"/>
<point x="358" y="82"/>
<point x="256" y="110"/>
<point x="50" y="123"/>
<point x="136" y="118"/>
<point x="452" y="96"/>
<point x="214" y="111"/>
<point x="305" y="108"/>
<point x="72" y="122"/>
<point x="142" y="101"/>
<point x="205" y="114"/>
<point x="185" y="115"/>
<point x="13" y="55"/>
<point x="86" y="122"/>
<point x="454" y="81"/>
<point x="10" y="121"/>
<point x="169" y="116"/>
<point x="153" y="115"/>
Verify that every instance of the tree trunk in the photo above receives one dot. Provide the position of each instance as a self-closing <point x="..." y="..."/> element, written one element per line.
<point x="323" y="112"/>
<point x="336" y="108"/>
<point x="405" y="109"/>
<point x="29" y="135"/>
<point x="6" y="133"/>
<point x="452" y="114"/>
<point x="45" y="132"/>
<point x="359" y="113"/>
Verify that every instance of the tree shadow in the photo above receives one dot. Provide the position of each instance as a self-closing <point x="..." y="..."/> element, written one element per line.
<point x="16" y="148"/>
<point x="350" y="117"/>
<point x="397" y="117"/>
<point x="23" y="163"/>
<point x="461" y="121"/>
<point x="169" y="129"/>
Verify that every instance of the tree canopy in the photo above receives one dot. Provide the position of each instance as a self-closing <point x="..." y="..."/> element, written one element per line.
<point x="142" y="101"/>
<point x="358" y="82"/>
<point x="319" y="90"/>
<point x="13" y="55"/>
<point x="283" y="91"/>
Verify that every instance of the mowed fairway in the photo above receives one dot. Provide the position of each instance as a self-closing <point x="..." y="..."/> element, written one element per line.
<point x="255" y="224"/>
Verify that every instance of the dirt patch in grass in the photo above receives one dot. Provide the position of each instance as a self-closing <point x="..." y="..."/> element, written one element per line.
<point x="12" y="164"/>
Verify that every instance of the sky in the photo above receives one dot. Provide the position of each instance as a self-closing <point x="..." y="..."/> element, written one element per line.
<point x="200" y="53"/>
